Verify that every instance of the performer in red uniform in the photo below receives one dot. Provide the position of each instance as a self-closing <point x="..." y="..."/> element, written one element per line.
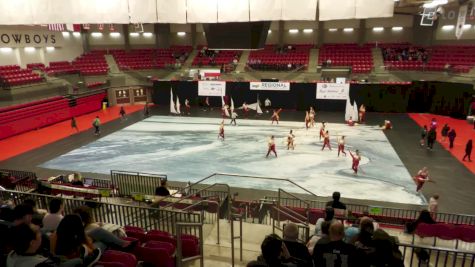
<point x="322" y="130"/>
<point x="245" y="109"/>
<point x="311" y="115"/>
<point x="356" y="161"/>
<point x="221" y="131"/>
<point x="362" y="113"/>
<point x="341" y="145"/>
<point x="326" y="140"/>
<point x="307" y="120"/>
<point x="275" y="115"/>
<point x="387" y="125"/>
<point x="271" y="147"/>
<point x="421" y="178"/>
<point x="290" y="140"/>
<point x="350" y="122"/>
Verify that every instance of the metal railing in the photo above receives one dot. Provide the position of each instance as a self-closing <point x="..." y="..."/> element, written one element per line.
<point x="127" y="182"/>
<point x="144" y="217"/>
<point x="179" y="255"/>
<point x="393" y="216"/>
<point x="419" y="255"/>
<point x="235" y="217"/>
<point x="24" y="181"/>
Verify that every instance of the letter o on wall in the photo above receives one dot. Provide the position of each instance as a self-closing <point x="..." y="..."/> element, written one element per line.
<point x="37" y="38"/>
<point x="5" y="38"/>
<point x="451" y="15"/>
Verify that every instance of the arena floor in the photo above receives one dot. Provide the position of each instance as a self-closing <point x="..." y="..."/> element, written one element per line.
<point x="453" y="181"/>
<point x="187" y="149"/>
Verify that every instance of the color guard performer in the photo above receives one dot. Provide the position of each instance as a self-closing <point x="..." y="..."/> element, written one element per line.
<point x="271" y="146"/>
<point x="307" y="120"/>
<point x="275" y="115"/>
<point x="311" y="114"/>
<point x="362" y="113"/>
<point x="351" y="122"/>
<point x="322" y="130"/>
<point x="356" y="161"/>
<point x="421" y="178"/>
<point x="245" y="109"/>
<point x="187" y="106"/>
<point x="326" y="140"/>
<point x="341" y="145"/>
<point x="290" y="140"/>
<point x="221" y="131"/>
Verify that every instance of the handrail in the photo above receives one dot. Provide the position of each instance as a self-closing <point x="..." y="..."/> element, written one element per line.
<point x="187" y="197"/>
<point x="292" y="217"/>
<point x="305" y="224"/>
<point x="179" y="256"/>
<point x="196" y="204"/>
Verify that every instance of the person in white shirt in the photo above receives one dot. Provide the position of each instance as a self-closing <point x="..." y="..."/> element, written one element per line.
<point x="233" y="117"/>
<point x="55" y="215"/>
<point x="267" y="105"/>
<point x="434" y="203"/>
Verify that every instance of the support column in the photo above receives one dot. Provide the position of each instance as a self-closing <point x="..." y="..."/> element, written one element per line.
<point x="320" y="33"/>
<point x="281" y="33"/>
<point x="85" y="40"/>
<point x="362" y="32"/>
<point x="193" y="35"/>
<point x="162" y="35"/>
<point x="125" y="31"/>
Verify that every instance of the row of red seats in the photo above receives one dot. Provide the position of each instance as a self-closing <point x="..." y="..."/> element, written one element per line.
<point x="13" y="75"/>
<point x="32" y="117"/>
<point x="32" y="103"/>
<point x="94" y="84"/>
<point x="271" y="58"/>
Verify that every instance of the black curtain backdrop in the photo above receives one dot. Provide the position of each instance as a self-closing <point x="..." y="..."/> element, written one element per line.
<point x="434" y="97"/>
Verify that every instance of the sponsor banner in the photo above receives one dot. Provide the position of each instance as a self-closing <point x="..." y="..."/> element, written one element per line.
<point x="9" y="38"/>
<point x="269" y="86"/>
<point x="336" y="91"/>
<point x="211" y="88"/>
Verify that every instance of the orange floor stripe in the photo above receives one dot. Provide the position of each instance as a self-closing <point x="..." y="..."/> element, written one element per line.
<point x="22" y="143"/>
<point x="463" y="130"/>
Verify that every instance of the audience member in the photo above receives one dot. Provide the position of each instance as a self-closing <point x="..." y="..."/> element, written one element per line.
<point x="26" y="243"/>
<point x="336" y="251"/>
<point x="38" y="214"/>
<point x="77" y="179"/>
<point x="335" y="203"/>
<point x="55" y="215"/>
<point x="22" y="213"/>
<point x="329" y="214"/>
<point x="323" y="239"/>
<point x="433" y="203"/>
<point x="364" y="242"/>
<point x="162" y="190"/>
<point x="298" y="251"/>
<point x="274" y="252"/>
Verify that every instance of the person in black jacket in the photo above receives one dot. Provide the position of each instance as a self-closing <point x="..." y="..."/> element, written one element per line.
<point x="335" y="203"/>
<point x="162" y="190"/>
<point x="298" y="251"/>
<point x="468" y="150"/>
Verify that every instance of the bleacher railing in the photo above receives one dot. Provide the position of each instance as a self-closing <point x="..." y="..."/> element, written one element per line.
<point x="395" y="216"/>
<point x="129" y="183"/>
<point x="120" y="214"/>
<point x="419" y="255"/>
<point x="23" y="181"/>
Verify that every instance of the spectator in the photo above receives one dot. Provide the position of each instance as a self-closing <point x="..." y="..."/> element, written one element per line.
<point x="433" y="203"/>
<point x="297" y="250"/>
<point x="424" y="217"/>
<point x="38" y="214"/>
<point x="452" y="135"/>
<point x="273" y="252"/>
<point x="329" y="215"/>
<point x="97" y="124"/>
<point x="444" y="132"/>
<point x="162" y="190"/>
<point x="431" y="137"/>
<point x="335" y="203"/>
<point x="70" y="241"/>
<point x="107" y="234"/>
<point x="468" y="150"/>
<point x="77" y="179"/>
<point x="22" y="213"/>
<point x="364" y="242"/>
<point x="323" y="239"/>
<point x="55" y="215"/>
<point x="26" y="243"/>
<point x="336" y="249"/>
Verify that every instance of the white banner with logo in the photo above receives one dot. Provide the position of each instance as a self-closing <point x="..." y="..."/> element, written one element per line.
<point x="336" y="91"/>
<point x="269" y="86"/>
<point x="211" y="88"/>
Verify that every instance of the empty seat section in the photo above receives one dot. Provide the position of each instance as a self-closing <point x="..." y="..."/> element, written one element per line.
<point x="207" y="57"/>
<point x="289" y="57"/>
<point x="13" y="75"/>
<point x="92" y="63"/>
<point x="139" y="59"/>
<point x="359" y="58"/>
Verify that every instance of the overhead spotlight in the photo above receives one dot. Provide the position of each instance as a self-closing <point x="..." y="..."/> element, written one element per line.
<point x="293" y="31"/>
<point x="397" y="28"/>
<point x="332" y="29"/>
<point x="134" y="34"/>
<point x="348" y="29"/>
<point x="448" y="27"/>
<point x="181" y="33"/>
<point x="307" y="30"/>
<point x="378" y="29"/>
<point x="147" y="34"/>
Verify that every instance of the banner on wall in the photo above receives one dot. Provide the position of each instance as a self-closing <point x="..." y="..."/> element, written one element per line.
<point x="335" y="91"/>
<point x="269" y="86"/>
<point x="13" y="39"/>
<point x="211" y="88"/>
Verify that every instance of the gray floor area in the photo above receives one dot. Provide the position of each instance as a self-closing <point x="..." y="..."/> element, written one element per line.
<point x="454" y="184"/>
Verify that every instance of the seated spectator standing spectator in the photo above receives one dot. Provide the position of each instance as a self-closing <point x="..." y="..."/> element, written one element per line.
<point x="26" y="242"/>
<point x="323" y="239"/>
<point x="329" y="214"/>
<point x="55" y="215"/>
<point x="335" y="203"/>
<point x="364" y="242"/>
<point x="297" y="250"/>
<point x="38" y="214"/>
<point x="336" y="252"/>
<point x="273" y="252"/>
<point x="22" y="213"/>
<point x="433" y="203"/>
<point x="162" y="190"/>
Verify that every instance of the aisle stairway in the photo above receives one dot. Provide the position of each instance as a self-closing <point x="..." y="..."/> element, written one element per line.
<point x="378" y="60"/>
<point x="113" y="68"/>
<point x="243" y="61"/>
<point x="313" y="61"/>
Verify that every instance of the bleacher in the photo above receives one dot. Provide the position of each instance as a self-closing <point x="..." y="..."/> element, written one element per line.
<point x="407" y="57"/>
<point x="13" y="75"/>
<point x="207" y="57"/>
<point x="21" y="118"/>
<point x="289" y="57"/>
<point x="140" y="59"/>
<point x="359" y="58"/>
<point x="91" y="63"/>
